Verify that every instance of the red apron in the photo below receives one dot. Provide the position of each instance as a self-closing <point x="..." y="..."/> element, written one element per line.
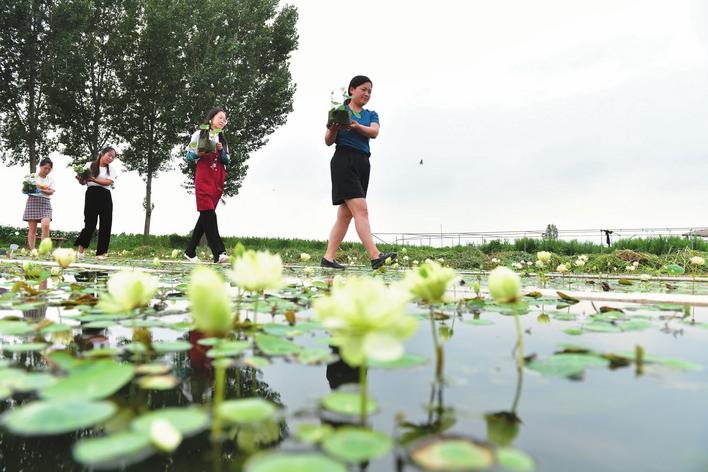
<point x="209" y="181"/>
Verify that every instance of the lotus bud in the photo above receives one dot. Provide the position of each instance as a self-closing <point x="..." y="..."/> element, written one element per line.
<point x="504" y="285"/>
<point x="45" y="247"/>
<point x="210" y="302"/>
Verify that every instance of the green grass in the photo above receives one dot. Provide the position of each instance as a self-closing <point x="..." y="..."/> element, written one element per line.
<point x="653" y="254"/>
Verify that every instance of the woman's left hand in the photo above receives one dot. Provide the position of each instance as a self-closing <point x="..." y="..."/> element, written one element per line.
<point x="354" y="125"/>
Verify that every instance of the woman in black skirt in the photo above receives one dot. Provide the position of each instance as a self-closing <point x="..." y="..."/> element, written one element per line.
<point x="349" y="169"/>
<point x="98" y="202"/>
<point x="39" y="206"/>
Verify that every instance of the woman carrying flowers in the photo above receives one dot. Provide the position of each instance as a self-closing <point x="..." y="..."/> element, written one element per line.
<point x="39" y="207"/>
<point x="349" y="169"/>
<point x="209" y="149"/>
<point x="98" y="202"/>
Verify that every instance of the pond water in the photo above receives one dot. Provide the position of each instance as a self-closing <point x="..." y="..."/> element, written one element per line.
<point x="611" y="414"/>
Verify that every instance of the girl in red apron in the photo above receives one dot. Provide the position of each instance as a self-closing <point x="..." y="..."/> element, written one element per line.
<point x="209" y="149"/>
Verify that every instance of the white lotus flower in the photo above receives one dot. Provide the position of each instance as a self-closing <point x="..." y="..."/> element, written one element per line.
<point x="257" y="271"/>
<point x="367" y="319"/>
<point x="562" y="268"/>
<point x="543" y="256"/>
<point x="504" y="285"/>
<point x="64" y="257"/>
<point x="697" y="261"/>
<point x="128" y="290"/>
<point x="304" y="257"/>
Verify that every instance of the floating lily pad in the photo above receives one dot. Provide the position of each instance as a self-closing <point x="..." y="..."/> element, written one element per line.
<point x="601" y="327"/>
<point x="564" y="365"/>
<point x="115" y="451"/>
<point x="665" y="361"/>
<point x="635" y="325"/>
<point x="152" y="369"/>
<point x="573" y="331"/>
<point x="313" y="433"/>
<point x="171" y="346"/>
<point x="292" y="462"/>
<point x="26" y="347"/>
<point x="450" y="454"/>
<point x="228" y="349"/>
<point x="102" y="352"/>
<point x="347" y="403"/>
<point x="14" y="328"/>
<point x="91" y="381"/>
<point x="188" y="421"/>
<point x="56" y="328"/>
<point x="209" y="341"/>
<point x="316" y="356"/>
<point x="42" y="418"/>
<point x="275" y="346"/>
<point x="515" y="460"/>
<point x="247" y="410"/>
<point x="355" y="445"/>
<point x="479" y="322"/>
<point x="32" y="381"/>
<point x="406" y="360"/>
<point x="158" y="382"/>
<point x="560" y="315"/>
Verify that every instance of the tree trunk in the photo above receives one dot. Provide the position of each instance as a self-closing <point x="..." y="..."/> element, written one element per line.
<point x="148" y="206"/>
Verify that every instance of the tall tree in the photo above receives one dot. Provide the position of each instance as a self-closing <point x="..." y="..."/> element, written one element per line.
<point x="24" y="47"/>
<point x="237" y="53"/>
<point x="151" y="73"/>
<point x="86" y="95"/>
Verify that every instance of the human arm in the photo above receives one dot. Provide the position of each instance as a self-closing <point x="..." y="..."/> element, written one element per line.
<point x="222" y="154"/>
<point x="331" y="133"/>
<point x="370" y="132"/>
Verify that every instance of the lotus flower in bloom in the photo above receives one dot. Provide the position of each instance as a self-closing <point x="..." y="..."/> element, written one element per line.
<point x="367" y="319"/>
<point x="562" y="268"/>
<point x="128" y="290"/>
<point x="429" y="281"/>
<point x="257" y="271"/>
<point x="697" y="261"/>
<point x="64" y="257"/>
<point x="304" y="257"/>
<point x="543" y="256"/>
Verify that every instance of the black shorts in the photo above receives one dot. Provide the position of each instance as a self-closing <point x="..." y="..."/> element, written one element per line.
<point x="349" y="169"/>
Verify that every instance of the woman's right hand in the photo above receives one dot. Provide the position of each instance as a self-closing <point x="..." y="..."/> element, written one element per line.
<point x="81" y="180"/>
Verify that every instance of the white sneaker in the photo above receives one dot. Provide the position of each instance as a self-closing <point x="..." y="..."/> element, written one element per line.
<point x="223" y="258"/>
<point x="193" y="260"/>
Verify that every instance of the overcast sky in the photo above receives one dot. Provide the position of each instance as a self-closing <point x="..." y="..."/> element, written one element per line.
<point x="582" y="114"/>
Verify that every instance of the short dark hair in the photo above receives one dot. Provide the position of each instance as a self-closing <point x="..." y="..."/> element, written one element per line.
<point x="46" y="160"/>
<point x="356" y="81"/>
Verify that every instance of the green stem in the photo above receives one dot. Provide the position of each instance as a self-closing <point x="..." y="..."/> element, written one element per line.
<point x="362" y="387"/>
<point x="439" y="361"/>
<point x="220" y="382"/>
<point x="519" y="361"/>
<point x="519" y="341"/>
<point x="238" y="307"/>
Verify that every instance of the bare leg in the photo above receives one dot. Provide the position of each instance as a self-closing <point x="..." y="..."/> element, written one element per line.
<point x="31" y="234"/>
<point x="360" y="212"/>
<point x="339" y="230"/>
<point x="45" y="228"/>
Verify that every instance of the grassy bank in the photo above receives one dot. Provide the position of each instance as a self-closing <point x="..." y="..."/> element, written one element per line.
<point x="651" y="254"/>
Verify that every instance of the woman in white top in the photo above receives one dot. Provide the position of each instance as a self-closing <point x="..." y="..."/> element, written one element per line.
<point x="39" y="207"/>
<point x="98" y="202"/>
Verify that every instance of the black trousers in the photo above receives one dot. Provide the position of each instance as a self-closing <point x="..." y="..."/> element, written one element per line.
<point x="206" y="224"/>
<point x="97" y="203"/>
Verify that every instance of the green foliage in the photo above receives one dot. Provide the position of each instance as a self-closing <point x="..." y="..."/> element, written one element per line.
<point x="237" y="54"/>
<point x="24" y="79"/>
<point x="85" y="95"/>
